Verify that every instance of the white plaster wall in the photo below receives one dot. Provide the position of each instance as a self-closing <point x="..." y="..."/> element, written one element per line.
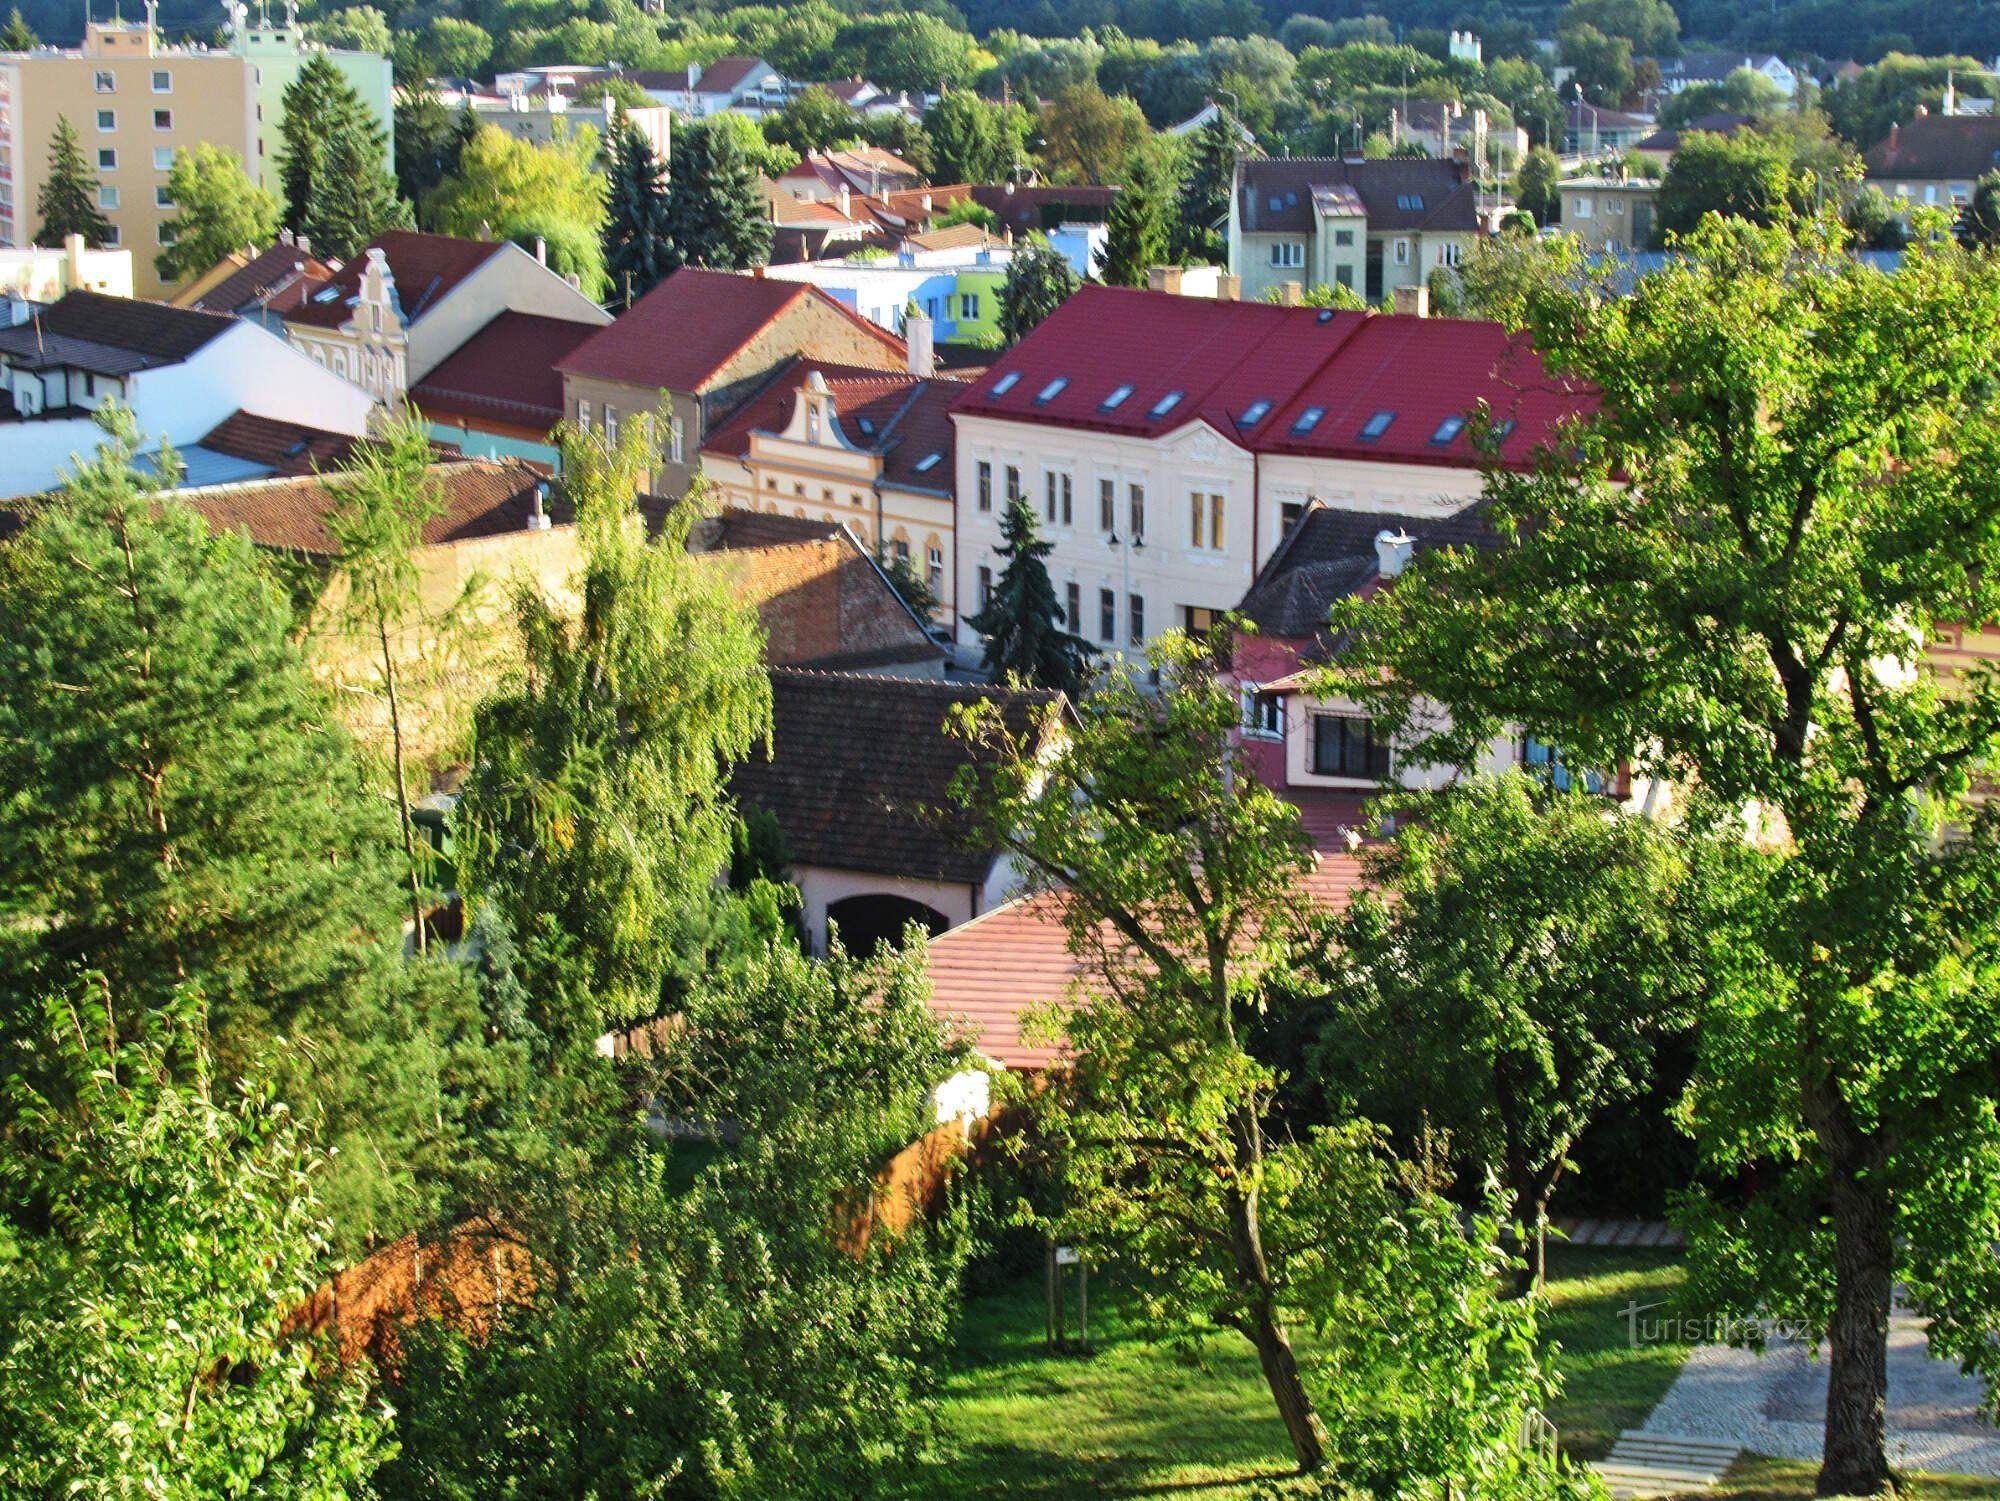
<point x="821" y="886"/>
<point x="512" y="281"/>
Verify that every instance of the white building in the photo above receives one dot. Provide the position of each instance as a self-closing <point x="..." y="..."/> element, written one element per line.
<point x="37" y="273"/>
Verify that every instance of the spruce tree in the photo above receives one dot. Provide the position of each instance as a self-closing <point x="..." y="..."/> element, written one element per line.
<point x="68" y="199"/>
<point x="1039" y="280"/>
<point x="1022" y="623"/>
<point x="1136" y="229"/>
<point x="18" y="35"/>
<point x="1203" y="198"/>
<point x="639" y="248"/>
<point x="717" y="216"/>
<point x="337" y="191"/>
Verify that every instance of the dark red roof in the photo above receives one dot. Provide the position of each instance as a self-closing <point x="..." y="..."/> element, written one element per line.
<point x="109" y="335"/>
<point x="282" y="271"/>
<point x="1024" y="210"/>
<point x="1225" y="359"/>
<point x="1275" y="194"/>
<point x="291" y="448"/>
<point x="681" y="334"/>
<point x="1965" y="146"/>
<point x="903" y="417"/>
<point x="425" y="267"/>
<point x="506" y="371"/>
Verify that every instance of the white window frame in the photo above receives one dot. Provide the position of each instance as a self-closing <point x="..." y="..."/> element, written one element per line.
<point x="167" y="74"/>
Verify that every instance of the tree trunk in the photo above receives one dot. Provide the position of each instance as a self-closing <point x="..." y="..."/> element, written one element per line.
<point x="1855" y="1459"/>
<point x="1281" y="1373"/>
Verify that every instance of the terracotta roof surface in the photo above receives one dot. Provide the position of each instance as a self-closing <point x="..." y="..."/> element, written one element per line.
<point x="989" y="973"/>
<point x="109" y="335"/>
<point x="506" y="371"/>
<point x="425" y="268"/>
<point x="903" y="417"/>
<point x="481" y="499"/>
<point x="290" y="448"/>
<point x="1966" y="146"/>
<point x="283" y="272"/>
<point x="684" y="332"/>
<point x="824" y="604"/>
<point x="861" y="770"/>
<point x="1275" y="379"/>
<point x="1275" y="194"/>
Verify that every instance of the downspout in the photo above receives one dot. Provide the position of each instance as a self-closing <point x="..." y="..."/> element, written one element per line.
<point x="1256" y="509"/>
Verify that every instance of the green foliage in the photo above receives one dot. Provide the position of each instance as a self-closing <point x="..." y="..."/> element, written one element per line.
<point x="67" y="199"/>
<point x="1746" y="176"/>
<point x="330" y="159"/>
<point x="455" y="47"/>
<point x="361" y="28"/>
<point x="1730" y="575"/>
<point x="1022" y="622"/>
<point x="1039" y="280"/>
<point x="144" y="1349"/>
<point x="430" y="139"/>
<point x="519" y="191"/>
<point x="596" y="808"/>
<point x="968" y="211"/>
<point x="1538" y="185"/>
<point x="1865" y="107"/>
<point x="1978" y="225"/>
<point x="973" y="139"/>
<point x="814" y="121"/>
<point x="218" y="210"/>
<point x="1138" y="227"/>
<point x="910" y="584"/>
<point x="717" y="216"/>
<point x="1872" y="219"/>
<point x="1744" y="92"/>
<point x="17" y="35"/>
<point x="1601" y="65"/>
<point x="913" y="52"/>
<point x="1649" y="25"/>
<point x="1087" y="136"/>
<point x="639" y="250"/>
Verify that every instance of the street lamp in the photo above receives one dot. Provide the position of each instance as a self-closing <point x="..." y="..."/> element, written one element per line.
<point x="1125" y="572"/>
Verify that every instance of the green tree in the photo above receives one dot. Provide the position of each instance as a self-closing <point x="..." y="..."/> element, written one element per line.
<point x="145" y="1347"/>
<point x="1022" y="623"/>
<point x="1873" y="221"/>
<point x="1511" y="1048"/>
<point x="1743" y="92"/>
<point x="457" y="48"/>
<point x="1524" y="88"/>
<point x="913" y="53"/>
<point x="910" y="584"/>
<point x="523" y="192"/>
<point x="1538" y="185"/>
<point x="360" y="27"/>
<point x="1087" y="135"/>
<point x="1202" y="216"/>
<point x="67" y="200"/>
<point x="596" y="809"/>
<point x="1742" y="176"/>
<point x="1182" y="882"/>
<point x="217" y="210"/>
<point x="18" y="35"/>
<point x="331" y="160"/>
<point x="430" y="140"/>
<point x="1601" y="65"/>
<point x="974" y="139"/>
<point x="639" y="250"/>
<point x="718" y="217"/>
<point x="1978" y="223"/>
<point x="1865" y="108"/>
<point x="1649" y="25"/>
<point x="1039" y="280"/>
<point x="814" y="121"/>
<point x="1730" y="574"/>
<point x="1137" y="227"/>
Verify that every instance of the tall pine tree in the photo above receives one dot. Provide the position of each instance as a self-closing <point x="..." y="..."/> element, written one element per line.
<point x="639" y="247"/>
<point x="1021" y="622"/>
<point x="337" y="190"/>
<point x="1039" y="280"/>
<point x="717" y="216"/>
<point x="68" y="199"/>
<point x="1137" y="233"/>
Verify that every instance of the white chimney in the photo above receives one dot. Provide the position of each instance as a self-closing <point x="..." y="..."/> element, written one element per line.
<point x="845" y="213"/>
<point x="541" y="251"/>
<point x="917" y="334"/>
<point x="1392" y="552"/>
<point x="538" y="518"/>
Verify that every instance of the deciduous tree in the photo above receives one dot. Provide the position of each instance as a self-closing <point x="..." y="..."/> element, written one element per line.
<point x="217" y="210"/>
<point x="523" y="192"/>
<point x="1087" y="135"/>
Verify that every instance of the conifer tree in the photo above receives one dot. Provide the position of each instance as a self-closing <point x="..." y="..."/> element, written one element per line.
<point x="1038" y="282"/>
<point x="1022" y="623"/>
<point x="1137" y="233"/>
<point x="717" y="216"/>
<point x="331" y="156"/>
<point x="68" y="199"/>
<point x="639" y="248"/>
<point x="18" y="35"/>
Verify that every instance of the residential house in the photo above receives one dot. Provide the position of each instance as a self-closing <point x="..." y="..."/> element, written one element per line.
<point x="1612" y="215"/>
<point x="859" y="778"/>
<point x="1070" y="218"/>
<point x="548" y="112"/>
<point x="824" y="175"/>
<point x="1692" y="68"/>
<point x="957" y="289"/>
<point x="260" y="285"/>
<point x="1167" y="463"/>
<point x="1934" y="160"/>
<point x="1342" y="221"/>
<point x="1662" y="144"/>
<point x="395" y="312"/>
<point x="868" y="449"/>
<point x="1593" y="131"/>
<point x="37" y="273"/>
<point x="746" y="85"/>
<point x="1207" y="115"/>
<point x="180" y="371"/>
<point x="695" y="347"/>
<point x="135" y="99"/>
<point x="1445" y="126"/>
<point x="499" y="393"/>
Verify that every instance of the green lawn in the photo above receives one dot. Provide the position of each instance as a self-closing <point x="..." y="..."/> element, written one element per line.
<point x="1757" y="1479"/>
<point x="1133" y="1419"/>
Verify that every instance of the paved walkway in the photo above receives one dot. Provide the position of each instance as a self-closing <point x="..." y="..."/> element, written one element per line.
<point x="1617" y="1232"/>
<point x="1775" y="1404"/>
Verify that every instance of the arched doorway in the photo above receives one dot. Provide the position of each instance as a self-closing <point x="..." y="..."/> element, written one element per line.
<point x="868" y="923"/>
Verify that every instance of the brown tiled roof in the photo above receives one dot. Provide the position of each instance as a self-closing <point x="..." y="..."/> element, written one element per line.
<point x="681" y="335"/>
<point x="1722" y="123"/>
<point x="900" y="416"/>
<point x="506" y="371"/>
<point x="1275" y="194"/>
<point x="989" y="973"/>
<point x="1964" y="146"/>
<point x="291" y="448"/>
<point x="861" y="770"/>
<point x="425" y="268"/>
<point x="823" y="603"/>
<point x="481" y="499"/>
<point x="738" y="529"/>
<point x="1023" y="209"/>
<point x="282" y="269"/>
<point x="953" y="237"/>
<point x="110" y="335"/>
<point x="726" y="74"/>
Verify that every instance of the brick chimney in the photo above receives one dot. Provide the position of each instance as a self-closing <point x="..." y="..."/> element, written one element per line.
<point x="1228" y="288"/>
<point x="917" y="335"/>
<point x="1413" y="302"/>
<point x="1290" y="294"/>
<point x="1164" y="279"/>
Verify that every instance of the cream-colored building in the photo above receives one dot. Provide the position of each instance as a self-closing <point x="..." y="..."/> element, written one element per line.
<point x="134" y="100"/>
<point x="1611" y="215"/>
<point x="36" y="273"/>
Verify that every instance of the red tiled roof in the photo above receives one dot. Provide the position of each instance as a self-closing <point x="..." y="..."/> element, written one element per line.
<point x="481" y="499"/>
<point x="425" y="267"/>
<point x="1022" y="209"/>
<point x="726" y="74"/>
<point x="1965" y="146"/>
<point x="1276" y="193"/>
<point x="1224" y="358"/>
<point x="904" y="417"/>
<point x="989" y="973"/>
<point x="506" y="371"/>
<point x="291" y="448"/>
<point x="822" y="602"/>
<point x="283" y="271"/>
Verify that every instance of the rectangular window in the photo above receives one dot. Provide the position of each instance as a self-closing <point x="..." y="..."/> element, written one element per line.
<point x="107" y="158"/>
<point x="1197" y="519"/>
<point x="968" y="305"/>
<point x="1540" y="756"/>
<point x="111" y="240"/>
<point x="1107" y="505"/>
<point x="1288" y="253"/>
<point x="107" y="197"/>
<point x="163" y="81"/>
<point x="1072" y="607"/>
<point x="611" y="428"/>
<point x="107" y="83"/>
<point x="985" y="485"/>
<point x="1263" y="713"/>
<point x="1107" y="616"/>
<point x="1215" y="522"/>
<point x="1136" y="496"/>
<point x="934" y="571"/>
<point x="1013" y="483"/>
<point x="1345" y="745"/>
<point x="1135" y="608"/>
<point x="163" y="119"/>
<point x="985" y="586"/>
<point x="1289" y="512"/>
<point x="107" y="119"/>
<point x="1402" y="252"/>
<point x="1450" y="253"/>
<point x="1060" y="498"/>
<point x="1580" y="206"/>
<point x="161" y="198"/>
<point x="582" y="413"/>
<point x="676" y="440"/>
<point x="163" y="158"/>
<point x="1199" y="620"/>
<point x="1343" y="237"/>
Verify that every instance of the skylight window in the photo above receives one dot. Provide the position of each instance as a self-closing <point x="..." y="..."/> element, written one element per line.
<point x="1499" y="431"/>
<point x="1326" y="315"/>
<point x="1116" y="398"/>
<point x="1409" y="200"/>
<point x="1447" y="430"/>
<point x="1253" y="414"/>
<point x="1005" y="384"/>
<point x="326" y="294"/>
<point x="1277" y="204"/>
<point x="928" y="462"/>
<point x="1165" y="404"/>
<point x="1377" y="425"/>
<point x="867" y="426"/>
<point x="1051" y="391"/>
<point x="1308" y="419"/>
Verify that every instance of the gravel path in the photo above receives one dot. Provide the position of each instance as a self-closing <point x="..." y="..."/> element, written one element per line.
<point x="1773" y="1404"/>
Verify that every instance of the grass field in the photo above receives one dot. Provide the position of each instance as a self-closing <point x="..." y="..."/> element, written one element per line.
<point x="1132" y="1419"/>
<point x="1780" y="1480"/>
